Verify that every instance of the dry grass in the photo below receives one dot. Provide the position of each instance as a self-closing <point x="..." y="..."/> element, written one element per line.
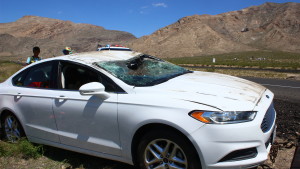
<point x="7" y="69"/>
<point x="260" y="59"/>
<point x="40" y="163"/>
<point x="15" y="156"/>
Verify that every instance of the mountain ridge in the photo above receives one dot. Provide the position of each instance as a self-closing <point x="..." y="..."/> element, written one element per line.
<point x="270" y="27"/>
<point x="52" y="35"/>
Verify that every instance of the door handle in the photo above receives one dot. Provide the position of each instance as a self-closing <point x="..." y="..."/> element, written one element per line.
<point x="19" y="95"/>
<point x="61" y="97"/>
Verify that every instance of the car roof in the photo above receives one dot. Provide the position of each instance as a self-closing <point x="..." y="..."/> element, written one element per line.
<point x="99" y="56"/>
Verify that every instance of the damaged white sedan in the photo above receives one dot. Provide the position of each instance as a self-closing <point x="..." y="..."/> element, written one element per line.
<point x="141" y="110"/>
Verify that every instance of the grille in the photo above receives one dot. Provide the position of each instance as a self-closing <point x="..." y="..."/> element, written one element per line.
<point x="268" y="119"/>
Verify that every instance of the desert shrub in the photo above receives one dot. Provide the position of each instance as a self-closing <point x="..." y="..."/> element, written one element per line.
<point x="28" y="150"/>
<point x="261" y="59"/>
<point x="23" y="149"/>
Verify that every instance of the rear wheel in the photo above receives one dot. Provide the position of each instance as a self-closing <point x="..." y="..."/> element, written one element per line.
<point x="11" y="128"/>
<point x="166" y="149"/>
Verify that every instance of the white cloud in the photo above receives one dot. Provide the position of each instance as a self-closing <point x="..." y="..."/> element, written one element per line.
<point x="160" y="5"/>
<point x="144" y="9"/>
<point x="59" y="12"/>
<point x="148" y="9"/>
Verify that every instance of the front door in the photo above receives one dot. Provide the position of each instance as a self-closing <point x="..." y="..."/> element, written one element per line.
<point x="86" y="122"/>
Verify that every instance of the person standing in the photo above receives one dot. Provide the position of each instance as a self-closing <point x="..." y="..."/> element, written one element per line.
<point x="36" y="51"/>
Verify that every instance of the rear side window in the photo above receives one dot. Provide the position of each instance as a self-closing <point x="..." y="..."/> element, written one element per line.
<point x="18" y="80"/>
<point x="39" y="76"/>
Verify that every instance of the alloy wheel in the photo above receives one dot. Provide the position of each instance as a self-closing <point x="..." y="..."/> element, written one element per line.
<point x="164" y="154"/>
<point x="12" y="129"/>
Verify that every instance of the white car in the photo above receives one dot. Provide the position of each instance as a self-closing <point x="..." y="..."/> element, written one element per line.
<point x="139" y="109"/>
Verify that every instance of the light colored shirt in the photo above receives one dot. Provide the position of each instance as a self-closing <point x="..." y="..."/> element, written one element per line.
<point x="33" y="59"/>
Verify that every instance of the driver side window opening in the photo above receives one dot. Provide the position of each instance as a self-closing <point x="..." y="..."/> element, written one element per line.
<point x="73" y="76"/>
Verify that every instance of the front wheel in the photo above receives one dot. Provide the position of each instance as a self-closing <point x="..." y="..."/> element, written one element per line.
<point x="166" y="149"/>
<point x="11" y="128"/>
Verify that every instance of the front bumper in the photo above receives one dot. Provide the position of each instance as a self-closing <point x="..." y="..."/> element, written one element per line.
<point x="240" y="145"/>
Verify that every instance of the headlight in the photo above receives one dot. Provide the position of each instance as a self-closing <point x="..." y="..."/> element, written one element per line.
<point x="223" y="117"/>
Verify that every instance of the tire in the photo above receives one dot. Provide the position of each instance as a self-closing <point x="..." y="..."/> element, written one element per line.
<point x="11" y="128"/>
<point x="166" y="149"/>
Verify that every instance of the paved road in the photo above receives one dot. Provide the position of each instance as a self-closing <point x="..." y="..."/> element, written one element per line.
<point x="283" y="89"/>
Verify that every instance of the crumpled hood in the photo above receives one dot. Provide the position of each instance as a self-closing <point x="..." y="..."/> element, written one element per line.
<point x="216" y="90"/>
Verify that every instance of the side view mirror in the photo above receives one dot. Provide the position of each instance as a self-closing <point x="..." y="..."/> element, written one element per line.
<point x="94" y="88"/>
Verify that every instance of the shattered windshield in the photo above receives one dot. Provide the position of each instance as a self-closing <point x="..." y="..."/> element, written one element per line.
<point x="143" y="70"/>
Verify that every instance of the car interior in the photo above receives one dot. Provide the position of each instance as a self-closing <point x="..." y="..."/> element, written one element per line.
<point x="39" y="78"/>
<point x="72" y="77"/>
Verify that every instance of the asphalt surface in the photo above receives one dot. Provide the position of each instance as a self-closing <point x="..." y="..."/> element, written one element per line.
<point x="288" y="90"/>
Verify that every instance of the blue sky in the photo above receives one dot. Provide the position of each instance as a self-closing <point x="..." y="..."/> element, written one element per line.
<point x="139" y="17"/>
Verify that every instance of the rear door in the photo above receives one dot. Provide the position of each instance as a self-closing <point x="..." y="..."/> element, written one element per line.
<point x="33" y="98"/>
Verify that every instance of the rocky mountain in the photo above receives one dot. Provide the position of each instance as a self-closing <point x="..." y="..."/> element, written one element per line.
<point x="18" y="38"/>
<point x="271" y="26"/>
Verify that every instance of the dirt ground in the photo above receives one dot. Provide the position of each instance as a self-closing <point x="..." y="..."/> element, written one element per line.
<point x="283" y="159"/>
<point x="288" y="135"/>
<point x="288" y="127"/>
